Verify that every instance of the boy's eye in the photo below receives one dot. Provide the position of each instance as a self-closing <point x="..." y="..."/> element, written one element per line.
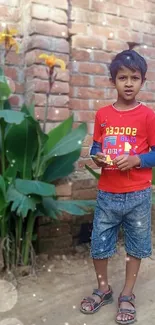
<point x="135" y="78"/>
<point x="122" y="78"/>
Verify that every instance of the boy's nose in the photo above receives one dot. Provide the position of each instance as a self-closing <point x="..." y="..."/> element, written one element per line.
<point x="129" y="83"/>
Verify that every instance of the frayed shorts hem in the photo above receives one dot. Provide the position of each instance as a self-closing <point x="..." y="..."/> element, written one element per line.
<point x="140" y="256"/>
<point x="102" y="256"/>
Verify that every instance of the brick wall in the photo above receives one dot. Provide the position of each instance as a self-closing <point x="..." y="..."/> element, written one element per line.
<point x="86" y="34"/>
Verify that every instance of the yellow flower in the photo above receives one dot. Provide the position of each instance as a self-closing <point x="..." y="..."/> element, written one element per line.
<point x="7" y="37"/>
<point x="51" y="61"/>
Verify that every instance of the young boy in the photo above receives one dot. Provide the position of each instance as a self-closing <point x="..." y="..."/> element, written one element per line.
<point x="124" y="146"/>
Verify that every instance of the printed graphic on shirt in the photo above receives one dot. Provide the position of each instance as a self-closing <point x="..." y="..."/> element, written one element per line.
<point x="118" y="141"/>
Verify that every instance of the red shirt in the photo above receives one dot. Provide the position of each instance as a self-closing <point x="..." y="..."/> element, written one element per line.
<point x="124" y="132"/>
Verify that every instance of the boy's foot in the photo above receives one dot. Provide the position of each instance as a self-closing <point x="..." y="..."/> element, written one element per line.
<point x="90" y="305"/>
<point x="126" y="311"/>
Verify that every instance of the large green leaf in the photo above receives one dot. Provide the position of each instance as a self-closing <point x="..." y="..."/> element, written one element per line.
<point x="21" y="204"/>
<point x="56" y="134"/>
<point x="61" y="167"/>
<point x="49" y="208"/>
<point x="96" y="175"/>
<point x="5" y="90"/>
<point x="153" y="174"/>
<point x="34" y="187"/>
<point x="76" y="207"/>
<point x="3" y="202"/>
<point x="153" y="197"/>
<point x="11" y="172"/>
<point x="21" y="146"/>
<point x="10" y="116"/>
<point x="69" y="143"/>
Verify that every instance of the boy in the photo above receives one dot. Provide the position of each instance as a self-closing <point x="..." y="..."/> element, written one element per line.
<point x="124" y="146"/>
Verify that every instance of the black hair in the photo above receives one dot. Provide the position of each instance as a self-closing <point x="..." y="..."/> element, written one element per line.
<point x="129" y="59"/>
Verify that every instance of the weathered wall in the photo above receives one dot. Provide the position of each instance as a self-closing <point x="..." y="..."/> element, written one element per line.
<point x="86" y="34"/>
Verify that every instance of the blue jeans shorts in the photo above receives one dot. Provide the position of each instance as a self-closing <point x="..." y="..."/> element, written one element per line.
<point x="130" y="210"/>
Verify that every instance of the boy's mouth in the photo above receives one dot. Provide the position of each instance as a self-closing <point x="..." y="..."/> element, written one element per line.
<point x="128" y="91"/>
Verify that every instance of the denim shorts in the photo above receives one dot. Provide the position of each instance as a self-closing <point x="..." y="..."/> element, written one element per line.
<point x="130" y="210"/>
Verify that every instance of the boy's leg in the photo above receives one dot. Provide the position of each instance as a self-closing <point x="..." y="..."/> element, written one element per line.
<point x="101" y="267"/>
<point x="104" y="237"/>
<point x="137" y="229"/>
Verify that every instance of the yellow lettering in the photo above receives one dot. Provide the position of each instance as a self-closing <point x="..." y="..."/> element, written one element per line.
<point x="107" y="131"/>
<point x="122" y="130"/>
<point x="128" y="131"/>
<point x="111" y="131"/>
<point x="134" y="131"/>
<point x="116" y="130"/>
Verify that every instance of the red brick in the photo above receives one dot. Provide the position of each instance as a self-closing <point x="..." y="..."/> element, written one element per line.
<point x="127" y="3"/>
<point x="64" y="189"/>
<point x="48" y="28"/>
<point x="78" y="28"/>
<point x="131" y="13"/>
<point x="81" y="163"/>
<point x="149" y="17"/>
<point x="81" y="3"/>
<point x="79" y="104"/>
<point x="58" y="16"/>
<point x="101" y="56"/>
<point x="79" y="80"/>
<point x="10" y="15"/>
<point x="91" y="68"/>
<point x="15" y="59"/>
<point x="139" y="4"/>
<point x="90" y="93"/>
<point x="115" y="46"/>
<point x="54" y="114"/>
<point x="40" y="12"/>
<point x="150" y="86"/>
<point x="40" y="99"/>
<point x="149" y="39"/>
<point x="85" y="152"/>
<point x="55" y="3"/>
<point x="86" y="42"/>
<point x="97" y="104"/>
<point x="58" y="87"/>
<point x="101" y="31"/>
<point x="11" y="73"/>
<point x="105" y="7"/>
<point x="150" y="75"/>
<point x="102" y="81"/>
<point x="146" y="96"/>
<point x="118" y="21"/>
<point x="40" y="71"/>
<point x="16" y="100"/>
<point x="19" y="88"/>
<point x="85" y="116"/>
<point x="80" y="55"/>
<point x="59" y="101"/>
<point x="124" y="35"/>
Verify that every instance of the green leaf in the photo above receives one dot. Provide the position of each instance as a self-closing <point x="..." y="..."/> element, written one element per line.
<point x="77" y="207"/>
<point x="153" y="175"/>
<point x="96" y="175"/>
<point x="49" y="208"/>
<point x="7" y="105"/>
<point x="11" y="172"/>
<point x="21" y="146"/>
<point x="60" y="168"/>
<point x="21" y="204"/>
<point x="34" y="187"/>
<point x="56" y="134"/>
<point x="3" y="202"/>
<point x="153" y="197"/>
<point x="10" y="116"/>
<point x="69" y="143"/>
<point x="5" y="90"/>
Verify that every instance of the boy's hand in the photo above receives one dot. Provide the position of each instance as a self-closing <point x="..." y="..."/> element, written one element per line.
<point x="99" y="159"/>
<point x="126" y="162"/>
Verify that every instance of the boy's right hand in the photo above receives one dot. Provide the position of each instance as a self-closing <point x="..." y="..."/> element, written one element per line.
<point x="99" y="159"/>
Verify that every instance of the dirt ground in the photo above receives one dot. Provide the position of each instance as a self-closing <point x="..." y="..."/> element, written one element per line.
<point x="52" y="296"/>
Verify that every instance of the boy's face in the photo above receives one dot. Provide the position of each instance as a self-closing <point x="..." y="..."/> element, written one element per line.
<point x="128" y="83"/>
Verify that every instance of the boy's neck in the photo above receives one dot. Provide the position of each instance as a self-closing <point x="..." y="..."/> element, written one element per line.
<point x="124" y="105"/>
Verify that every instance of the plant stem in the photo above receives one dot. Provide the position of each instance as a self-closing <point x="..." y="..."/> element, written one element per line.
<point x="38" y="156"/>
<point x="2" y="130"/>
<point x="46" y="112"/>
<point x="28" y="237"/>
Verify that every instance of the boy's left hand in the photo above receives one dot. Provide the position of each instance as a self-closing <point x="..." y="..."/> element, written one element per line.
<point x="126" y="162"/>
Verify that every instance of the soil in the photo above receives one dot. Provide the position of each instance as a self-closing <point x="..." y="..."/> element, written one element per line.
<point x="52" y="295"/>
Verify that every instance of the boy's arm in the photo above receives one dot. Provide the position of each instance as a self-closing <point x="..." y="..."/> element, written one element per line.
<point x="97" y="137"/>
<point x="148" y="159"/>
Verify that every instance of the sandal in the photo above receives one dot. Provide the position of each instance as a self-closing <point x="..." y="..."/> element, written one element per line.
<point x="128" y="312"/>
<point x="106" y="298"/>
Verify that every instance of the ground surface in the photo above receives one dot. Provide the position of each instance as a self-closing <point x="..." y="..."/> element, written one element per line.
<point x="52" y="297"/>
